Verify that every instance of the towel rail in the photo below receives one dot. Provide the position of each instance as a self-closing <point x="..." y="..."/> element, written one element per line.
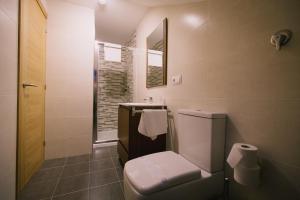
<point x="135" y="111"/>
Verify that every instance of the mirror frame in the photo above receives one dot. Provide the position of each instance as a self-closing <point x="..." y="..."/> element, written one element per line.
<point x="165" y="53"/>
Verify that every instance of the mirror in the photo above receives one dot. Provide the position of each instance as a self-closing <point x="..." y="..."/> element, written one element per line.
<point x="157" y="56"/>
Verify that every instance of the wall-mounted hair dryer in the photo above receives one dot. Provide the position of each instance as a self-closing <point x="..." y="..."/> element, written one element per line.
<point x="281" y="38"/>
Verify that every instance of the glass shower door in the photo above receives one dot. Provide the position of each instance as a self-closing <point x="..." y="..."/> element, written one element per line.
<point x="114" y="86"/>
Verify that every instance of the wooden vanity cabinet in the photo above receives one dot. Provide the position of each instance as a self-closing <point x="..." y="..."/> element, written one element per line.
<point x="131" y="143"/>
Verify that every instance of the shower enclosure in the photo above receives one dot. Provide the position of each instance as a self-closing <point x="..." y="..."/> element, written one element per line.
<point x="113" y="84"/>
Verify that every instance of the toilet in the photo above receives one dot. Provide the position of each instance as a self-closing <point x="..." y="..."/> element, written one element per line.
<point x="196" y="172"/>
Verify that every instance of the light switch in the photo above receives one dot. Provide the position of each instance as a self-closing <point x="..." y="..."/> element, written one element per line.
<point x="177" y="80"/>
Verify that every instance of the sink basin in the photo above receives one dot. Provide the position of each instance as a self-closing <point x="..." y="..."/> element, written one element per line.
<point x="141" y="104"/>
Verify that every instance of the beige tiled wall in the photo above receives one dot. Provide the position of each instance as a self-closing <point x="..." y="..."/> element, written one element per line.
<point x="222" y="49"/>
<point x="69" y="78"/>
<point x="8" y="96"/>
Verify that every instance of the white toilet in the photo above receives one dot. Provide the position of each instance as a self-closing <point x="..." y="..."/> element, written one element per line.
<point x="195" y="173"/>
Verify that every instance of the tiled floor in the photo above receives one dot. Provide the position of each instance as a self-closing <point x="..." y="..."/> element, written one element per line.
<point x="87" y="177"/>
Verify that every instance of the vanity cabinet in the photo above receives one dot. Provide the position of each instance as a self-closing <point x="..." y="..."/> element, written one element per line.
<point x="131" y="143"/>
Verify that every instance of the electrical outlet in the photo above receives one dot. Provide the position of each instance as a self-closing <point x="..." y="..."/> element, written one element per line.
<point x="177" y="80"/>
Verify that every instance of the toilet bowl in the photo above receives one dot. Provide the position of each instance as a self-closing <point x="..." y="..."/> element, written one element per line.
<point x="195" y="173"/>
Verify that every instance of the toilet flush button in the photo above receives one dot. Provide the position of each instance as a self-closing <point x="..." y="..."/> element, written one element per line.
<point x="177" y="80"/>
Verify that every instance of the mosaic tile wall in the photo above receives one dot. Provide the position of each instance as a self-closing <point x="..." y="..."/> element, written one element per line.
<point x="115" y="85"/>
<point x="155" y="74"/>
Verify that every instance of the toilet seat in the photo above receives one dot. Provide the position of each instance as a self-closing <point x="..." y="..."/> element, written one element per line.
<point x="159" y="171"/>
<point x="167" y="175"/>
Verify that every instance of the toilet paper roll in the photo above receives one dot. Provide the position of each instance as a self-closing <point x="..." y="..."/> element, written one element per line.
<point x="243" y="154"/>
<point x="247" y="176"/>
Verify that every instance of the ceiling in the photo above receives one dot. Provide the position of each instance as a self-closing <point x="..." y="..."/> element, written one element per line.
<point x="116" y="21"/>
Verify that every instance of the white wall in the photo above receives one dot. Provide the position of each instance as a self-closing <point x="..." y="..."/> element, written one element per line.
<point x="69" y="77"/>
<point x="223" y="51"/>
<point x="8" y="96"/>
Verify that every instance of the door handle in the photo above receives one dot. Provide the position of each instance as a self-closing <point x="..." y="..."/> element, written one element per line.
<point x="28" y="85"/>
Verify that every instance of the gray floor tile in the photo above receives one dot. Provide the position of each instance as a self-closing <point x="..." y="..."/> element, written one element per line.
<point x="101" y="164"/>
<point x="53" y="163"/>
<point x="80" y="195"/>
<point x="120" y="173"/>
<point x="72" y="184"/>
<point x="100" y="153"/>
<point x="85" y="177"/>
<point x="103" y="177"/>
<point x="107" y="192"/>
<point x="122" y="185"/>
<point x="78" y="159"/>
<point x="46" y="174"/>
<point x="116" y="161"/>
<point x="76" y="169"/>
<point x="38" y="190"/>
<point x="113" y="150"/>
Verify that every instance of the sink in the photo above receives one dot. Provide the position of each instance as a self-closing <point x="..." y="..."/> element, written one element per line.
<point x="141" y="104"/>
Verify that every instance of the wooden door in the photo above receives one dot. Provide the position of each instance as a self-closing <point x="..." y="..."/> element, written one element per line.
<point x="31" y="112"/>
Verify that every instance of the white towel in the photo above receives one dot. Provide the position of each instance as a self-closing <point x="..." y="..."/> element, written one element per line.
<point x="153" y="123"/>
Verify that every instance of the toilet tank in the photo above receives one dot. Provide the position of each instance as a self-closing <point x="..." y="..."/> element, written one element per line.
<point x="201" y="138"/>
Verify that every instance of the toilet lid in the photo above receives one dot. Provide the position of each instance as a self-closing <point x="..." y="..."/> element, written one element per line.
<point x="159" y="171"/>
